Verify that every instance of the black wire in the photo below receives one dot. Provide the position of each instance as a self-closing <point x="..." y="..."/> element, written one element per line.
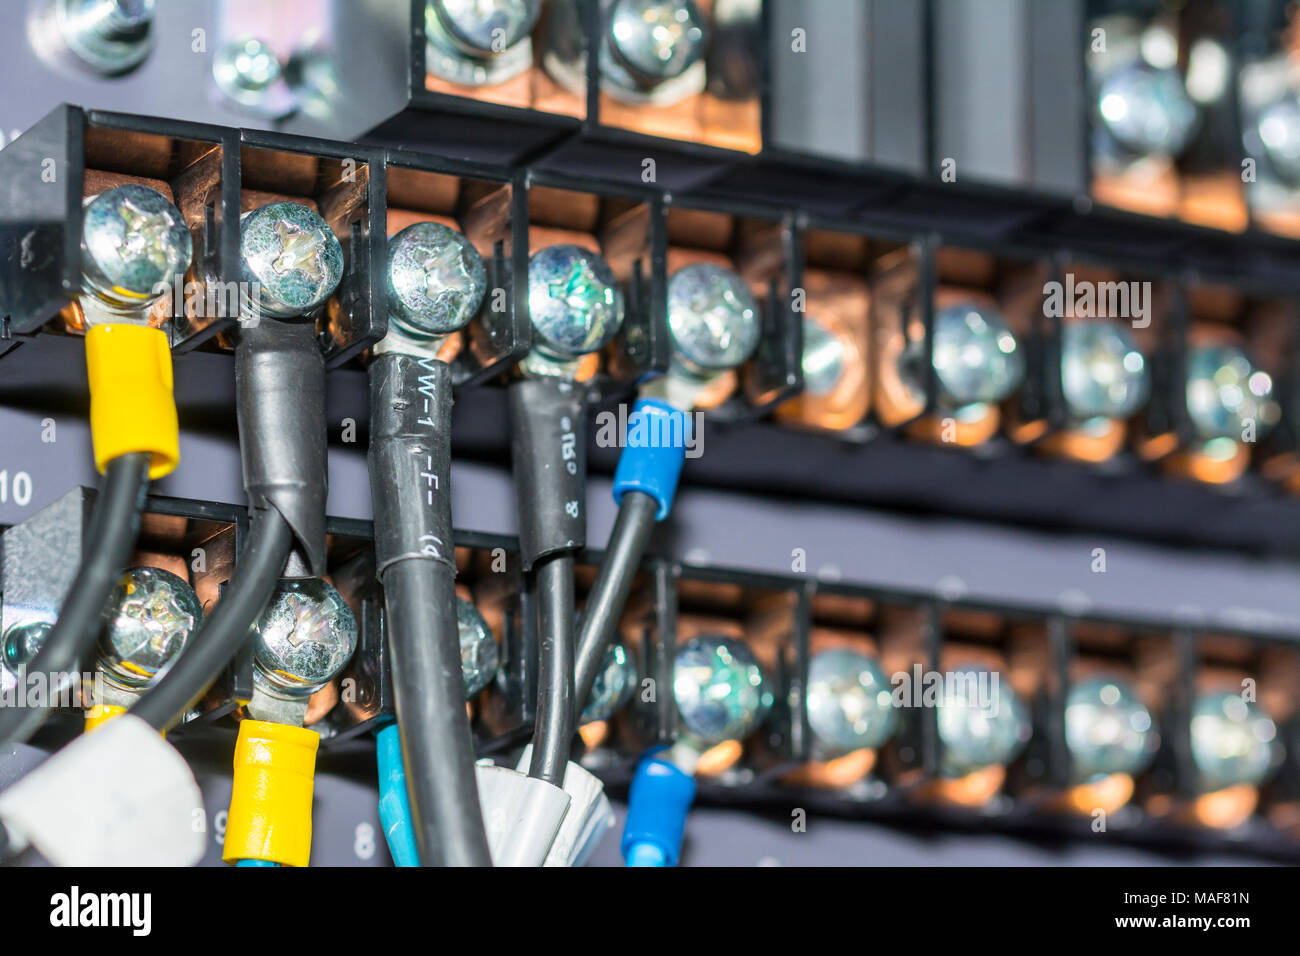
<point x="553" y="733"/>
<point x="429" y="692"/>
<point x="218" y="639"/>
<point x="410" y="474"/>
<point x="105" y="550"/>
<point x="627" y="543"/>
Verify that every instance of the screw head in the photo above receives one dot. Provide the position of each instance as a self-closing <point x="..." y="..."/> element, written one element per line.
<point x="153" y="613"/>
<point x="614" y="685"/>
<point x="1103" y="373"/>
<point x="1278" y="128"/>
<point x="1233" y="740"/>
<point x="21" y="643"/>
<point x="976" y="357"/>
<point x="132" y="241"/>
<point x="109" y="36"/>
<point x="1108" y="729"/>
<point x="982" y="721"/>
<point x="657" y="39"/>
<point x="436" y="280"/>
<point x="304" y="637"/>
<point x="574" y="301"/>
<point x="1147" y="110"/>
<point x="1225" y="392"/>
<point x="849" y="701"/>
<point x="713" y="319"/>
<point x="246" y="68"/>
<point x="719" y="689"/>
<point x="823" y="358"/>
<point x="478" y="648"/>
<point x="292" y="255"/>
<point x="484" y="27"/>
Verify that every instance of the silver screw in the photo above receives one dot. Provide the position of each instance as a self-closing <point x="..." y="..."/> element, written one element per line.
<point x="823" y="358"/>
<point x="849" y="701"/>
<point x="614" y="685"/>
<point x="436" y="280"/>
<point x="656" y="40"/>
<point x="1233" y="741"/>
<point x="248" y="72"/>
<point x="1147" y="110"/>
<point x="1108" y="729"/>
<point x="153" y="614"/>
<point x="21" y="644"/>
<point x="1225" y="392"/>
<point x="574" y="301"/>
<point x="109" y="36"/>
<point x="1278" y="129"/>
<point x="1103" y="373"/>
<point x="483" y="27"/>
<point x="713" y="319"/>
<point x="719" y="689"/>
<point x="133" y="243"/>
<point x="304" y="638"/>
<point x="478" y="648"/>
<point x="291" y="257"/>
<point x="982" y="721"/>
<point x="976" y="357"/>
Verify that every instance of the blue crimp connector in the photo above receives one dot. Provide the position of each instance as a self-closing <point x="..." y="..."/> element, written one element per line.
<point x="651" y="462"/>
<point x="394" y="804"/>
<point x="657" y="805"/>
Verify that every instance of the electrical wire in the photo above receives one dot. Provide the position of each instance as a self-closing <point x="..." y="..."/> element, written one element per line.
<point x="627" y="544"/>
<point x="410" y="473"/>
<point x="105" y="551"/>
<point x="553" y="733"/>
<point x="429" y="692"/>
<point x="218" y="639"/>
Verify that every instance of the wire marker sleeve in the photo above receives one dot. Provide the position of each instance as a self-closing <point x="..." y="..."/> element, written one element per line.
<point x="548" y="454"/>
<point x="280" y="401"/>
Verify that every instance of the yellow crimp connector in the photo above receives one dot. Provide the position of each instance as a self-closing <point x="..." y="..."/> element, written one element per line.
<point x="270" y="801"/>
<point x="101" y="713"/>
<point x="131" y="403"/>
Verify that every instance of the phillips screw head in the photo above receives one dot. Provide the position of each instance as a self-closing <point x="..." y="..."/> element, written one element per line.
<point x="1226" y="392"/>
<point x="656" y="40"/>
<point x="614" y="685"/>
<point x="1233" y="741"/>
<point x="574" y="301"/>
<point x="982" y="721"/>
<point x="976" y="357"/>
<point x="152" y="614"/>
<point x="109" y="36"/>
<point x="713" y="319"/>
<point x="484" y="27"/>
<point x="436" y="280"/>
<point x="1147" y="110"/>
<point x="304" y="638"/>
<point x="292" y="258"/>
<point x="133" y="241"/>
<point x="1108" y="729"/>
<point x="719" y="689"/>
<point x="823" y="358"/>
<point x="849" y="701"/>
<point x="478" y="648"/>
<point x="1103" y="373"/>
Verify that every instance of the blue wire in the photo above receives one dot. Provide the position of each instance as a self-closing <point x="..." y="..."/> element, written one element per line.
<point x="394" y="803"/>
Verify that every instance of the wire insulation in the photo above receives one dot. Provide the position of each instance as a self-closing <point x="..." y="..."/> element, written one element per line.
<point x="553" y="734"/>
<point x="105" y="551"/>
<point x="219" y="638"/>
<point x="627" y="544"/>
